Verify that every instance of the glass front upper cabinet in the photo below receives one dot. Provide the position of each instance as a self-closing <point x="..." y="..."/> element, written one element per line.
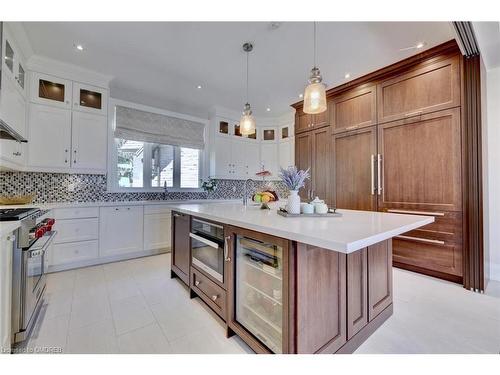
<point x="284" y="132"/>
<point x="237" y="132"/>
<point x="51" y="90"/>
<point x="269" y="134"/>
<point x="9" y="57"/>
<point x="89" y="98"/>
<point x="223" y="127"/>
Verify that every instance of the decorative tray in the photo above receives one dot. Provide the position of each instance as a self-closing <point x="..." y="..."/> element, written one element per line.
<point x="332" y="212"/>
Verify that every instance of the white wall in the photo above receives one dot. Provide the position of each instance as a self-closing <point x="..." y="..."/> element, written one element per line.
<point x="492" y="180"/>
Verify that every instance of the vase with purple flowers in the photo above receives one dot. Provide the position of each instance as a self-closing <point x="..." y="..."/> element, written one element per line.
<point x="294" y="180"/>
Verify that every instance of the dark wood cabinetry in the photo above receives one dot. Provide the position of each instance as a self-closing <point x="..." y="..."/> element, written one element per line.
<point x="181" y="246"/>
<point x="353" y="169"/>
<point x="327" y="301"/>
<point x="209" y="291"/>
<point x="305" y="122"/>
<point x="422" y="162"/>
<point x="353" y="110"/>
<point x="432" y="87"/>
<point x="399" y="144"/>
<point x="312" y="151"/>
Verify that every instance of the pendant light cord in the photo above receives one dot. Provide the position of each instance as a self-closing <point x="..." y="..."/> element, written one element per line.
<point x="247" y="76"/>
<point x="314" y="44"/>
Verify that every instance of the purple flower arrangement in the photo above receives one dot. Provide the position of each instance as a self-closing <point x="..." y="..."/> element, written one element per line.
<point x="293" y="178"/>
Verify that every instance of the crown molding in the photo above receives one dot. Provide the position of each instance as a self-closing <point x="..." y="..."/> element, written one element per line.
<point x="64" y="70"/>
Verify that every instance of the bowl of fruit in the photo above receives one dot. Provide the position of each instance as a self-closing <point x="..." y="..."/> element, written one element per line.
<point x="265" y="197"/>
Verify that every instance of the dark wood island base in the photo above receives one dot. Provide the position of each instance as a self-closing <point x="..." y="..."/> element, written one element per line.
<point x="330" y="302"/>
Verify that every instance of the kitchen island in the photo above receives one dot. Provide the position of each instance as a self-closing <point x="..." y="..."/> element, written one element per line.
<point x="290" y="285"/>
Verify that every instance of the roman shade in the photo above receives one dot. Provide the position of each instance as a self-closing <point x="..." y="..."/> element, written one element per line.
<point x="137" y="125"/>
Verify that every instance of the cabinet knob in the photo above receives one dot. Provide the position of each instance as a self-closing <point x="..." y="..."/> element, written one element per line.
<point x="197" y="283"/>
<point x="11" y="238"/>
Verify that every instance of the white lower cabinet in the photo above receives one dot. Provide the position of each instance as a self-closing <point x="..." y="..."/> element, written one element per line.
<point x="6" y="250"/>
<point x="73" y="253"/>
<point x="73" y="230"/>
<point x="121" y="230"/>
<point x="157" y="229"/>
<point x="76" y="243"/>
<point x="94" y="235"/>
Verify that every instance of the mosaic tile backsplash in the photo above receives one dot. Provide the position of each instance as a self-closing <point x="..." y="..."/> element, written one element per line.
<point x="55" y="187"/>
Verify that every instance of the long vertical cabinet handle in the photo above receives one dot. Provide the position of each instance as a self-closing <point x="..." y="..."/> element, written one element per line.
<point x="372" y="159"/>
<point x="226" y="248"/>
<point x="379" y="176"/>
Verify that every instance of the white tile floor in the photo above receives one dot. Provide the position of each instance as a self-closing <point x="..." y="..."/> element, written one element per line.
<point x="134" y="307"/>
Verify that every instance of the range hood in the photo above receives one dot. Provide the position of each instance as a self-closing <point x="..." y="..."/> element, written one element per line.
<point x="6" y="132"/>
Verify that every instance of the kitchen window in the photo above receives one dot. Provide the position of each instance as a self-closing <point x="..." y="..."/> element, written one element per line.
<point x="151" y="151"/>
<point x="152" y="165"/>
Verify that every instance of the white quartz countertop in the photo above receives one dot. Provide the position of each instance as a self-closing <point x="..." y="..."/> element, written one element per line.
<point x="54" y="205"/>
<point x="6" y="227"/>
<point x="350" y="232"/>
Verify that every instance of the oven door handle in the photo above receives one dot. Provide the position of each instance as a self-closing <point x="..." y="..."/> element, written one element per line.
<point x="38" y="252"/>
<point x="213" y="244"/>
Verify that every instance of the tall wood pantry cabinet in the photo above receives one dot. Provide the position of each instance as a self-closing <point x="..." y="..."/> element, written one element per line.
<point x="396" y="145"/>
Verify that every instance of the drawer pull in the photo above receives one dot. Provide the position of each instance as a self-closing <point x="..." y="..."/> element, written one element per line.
<point x="424" y="240"/>
<point x="214" y="297"/>
<point x="197" y="283"/>
<point x="424" y="213"/>
<point x="351" y="127"/>
<point x="413" y="114"/>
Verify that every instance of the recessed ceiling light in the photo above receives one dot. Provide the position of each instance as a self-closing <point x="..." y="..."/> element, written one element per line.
<point x="198" y="87"/>
<point x="268" y="109"/>
<point x="79" y="47"/>
<point x="301" y="96"/>
<point x="420" y="45"/>
<point x="347" y="75"/>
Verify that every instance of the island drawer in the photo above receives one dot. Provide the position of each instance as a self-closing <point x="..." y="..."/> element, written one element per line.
<point x="76" y="212"/>
<point x="209" y="292"/>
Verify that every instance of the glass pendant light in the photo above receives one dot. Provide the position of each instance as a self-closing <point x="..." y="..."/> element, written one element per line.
<point x="247" y="121"/>
<point x="315" y="92"/>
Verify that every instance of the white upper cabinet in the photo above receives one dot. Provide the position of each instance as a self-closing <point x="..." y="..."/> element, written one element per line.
<point x="90" y="99"/>
<point x="12" y="106"/>
<point x="50" y="90"/>
<point x="88" y="142"/>
<point x="13" y="63"/>
<point x="286" y="153"/>
<point x="269" y="158"/>
<point x="49" y="143"/>
<point x="222" y="162"/>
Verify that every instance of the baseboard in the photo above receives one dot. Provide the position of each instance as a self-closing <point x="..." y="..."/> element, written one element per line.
<point x="104" y="260"/>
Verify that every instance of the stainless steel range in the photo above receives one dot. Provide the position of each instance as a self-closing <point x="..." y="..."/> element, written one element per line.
<point x="31" y="241"/>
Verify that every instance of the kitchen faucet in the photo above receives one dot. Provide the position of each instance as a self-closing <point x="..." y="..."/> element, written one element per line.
<point x="245" y="192"/>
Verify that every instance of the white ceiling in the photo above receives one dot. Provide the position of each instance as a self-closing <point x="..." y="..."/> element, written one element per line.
<point x="160" y="64"/>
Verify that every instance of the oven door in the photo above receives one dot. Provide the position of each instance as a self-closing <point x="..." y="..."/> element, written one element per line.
<point x="208" y="256"/>
<point x="34" y="279"/>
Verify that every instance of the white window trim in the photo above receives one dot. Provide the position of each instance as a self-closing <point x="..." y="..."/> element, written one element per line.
<point x="112" y="183"/>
